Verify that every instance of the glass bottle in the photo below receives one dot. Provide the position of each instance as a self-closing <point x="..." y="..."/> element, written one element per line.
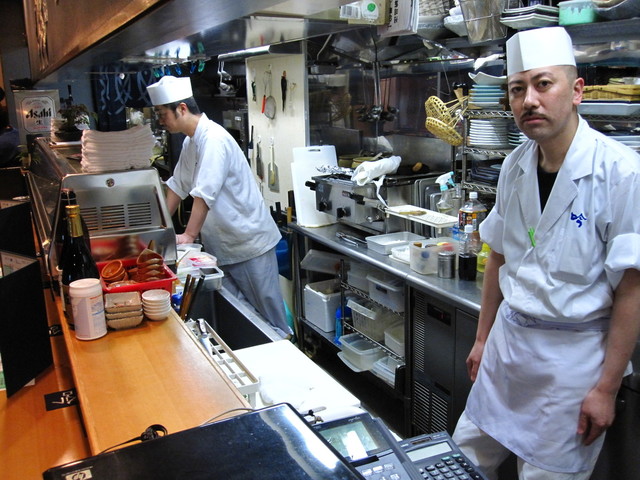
<point x="77" y="261"/>
<point x="67" y="197"/>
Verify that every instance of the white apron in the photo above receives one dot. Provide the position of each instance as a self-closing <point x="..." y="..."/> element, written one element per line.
<point x="524" y="372"/>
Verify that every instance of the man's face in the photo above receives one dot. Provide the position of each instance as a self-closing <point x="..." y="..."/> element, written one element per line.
<point x="167" y="118"/>
<point x="543" y="99"/>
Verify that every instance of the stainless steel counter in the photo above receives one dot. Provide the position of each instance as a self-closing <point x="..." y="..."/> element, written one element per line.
<point x="464" y="293"/>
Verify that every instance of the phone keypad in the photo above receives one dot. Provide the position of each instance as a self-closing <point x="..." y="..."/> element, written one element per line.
<point x="453" y="467"/>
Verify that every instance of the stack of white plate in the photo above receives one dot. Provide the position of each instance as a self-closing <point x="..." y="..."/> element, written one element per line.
<point x="486" y="97"/>
<point x="489" y="133"/>
<point x="516" y="137"/>
<point x="156" y="304"/>
<point x="534" y="16"/>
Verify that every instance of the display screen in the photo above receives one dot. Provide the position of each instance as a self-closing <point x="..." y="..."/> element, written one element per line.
<point x="430" y="451"/>
<point x="353" y="440"/>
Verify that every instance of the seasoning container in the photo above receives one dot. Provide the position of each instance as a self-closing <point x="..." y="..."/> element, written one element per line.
<point x="446" y="261"/>
<point x="88" y="308"/>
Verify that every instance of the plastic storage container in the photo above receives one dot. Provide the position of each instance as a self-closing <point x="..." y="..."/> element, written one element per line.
<point x="384" y="243"/>
<point x="394" y="338"/>
<point x="369" y="318"/>
<point x="385" y="368"/>
<point x="387" y="291"/>
<point x="321" y="300"/>
<point x="574" y="12"/>
<point x="324" y="262"/>
<point x="358" y="353"/>
<point x="357" y="276"/>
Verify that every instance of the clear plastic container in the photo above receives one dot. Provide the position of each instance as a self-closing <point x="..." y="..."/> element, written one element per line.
<point x="387" y="291"/>
<point x="394" y="338"/>
<point x="369" y="318"/>
<point x="359" y="352"/>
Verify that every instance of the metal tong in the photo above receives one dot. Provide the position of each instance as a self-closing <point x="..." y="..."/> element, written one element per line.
<point x="350" y="239"/>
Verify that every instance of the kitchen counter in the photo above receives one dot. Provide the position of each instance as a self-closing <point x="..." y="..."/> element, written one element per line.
<point x="465" y="294"/>
<point x="156" y="373"/>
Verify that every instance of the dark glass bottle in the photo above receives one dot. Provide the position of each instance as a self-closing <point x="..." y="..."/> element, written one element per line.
<point x="67" y="197"/>
<point x="77" y="261"/>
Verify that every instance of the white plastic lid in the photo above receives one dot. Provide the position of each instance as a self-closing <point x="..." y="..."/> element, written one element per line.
<point x="473" y="195"/>
<point x="468" y="228"/>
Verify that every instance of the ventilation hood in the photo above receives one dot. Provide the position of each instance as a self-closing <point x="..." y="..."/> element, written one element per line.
<point x="196" y="30"/>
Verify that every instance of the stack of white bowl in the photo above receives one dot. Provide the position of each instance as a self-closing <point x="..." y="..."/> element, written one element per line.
<point x="156" y="304"/>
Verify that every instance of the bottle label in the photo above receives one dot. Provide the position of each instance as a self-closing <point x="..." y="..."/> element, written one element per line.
<point x="471" y="218"/>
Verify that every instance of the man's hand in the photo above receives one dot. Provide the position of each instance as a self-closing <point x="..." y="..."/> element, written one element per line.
<point x="184" y="238"/>
<point x="596" y="415"/>
<point x="473" y="360"/>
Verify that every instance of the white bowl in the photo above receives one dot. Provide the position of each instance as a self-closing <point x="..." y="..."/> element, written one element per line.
<point x="155" y="295"/>
<point x="163" y="303"/>
<point x="157" y="316"/>
<point x="157" y="311"/>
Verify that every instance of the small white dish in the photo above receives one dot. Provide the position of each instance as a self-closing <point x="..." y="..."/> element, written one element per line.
<point x="155" y="295"/>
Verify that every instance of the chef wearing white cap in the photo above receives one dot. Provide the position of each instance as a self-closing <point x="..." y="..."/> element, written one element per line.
<point x="228" y="210"/>
<point x="560" y="310"/>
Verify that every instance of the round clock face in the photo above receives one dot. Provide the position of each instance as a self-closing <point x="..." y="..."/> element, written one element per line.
<point x="270" y="107"/>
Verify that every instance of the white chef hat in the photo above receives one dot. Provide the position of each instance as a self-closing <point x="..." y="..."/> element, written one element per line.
<point x="540" y="47"/>
<point x="170" y="89"/>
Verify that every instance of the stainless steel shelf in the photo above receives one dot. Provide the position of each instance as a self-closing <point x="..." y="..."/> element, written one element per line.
<point x="488" y="114"/>
<point x="482" y="151"/>
<point x="480" y="188"/>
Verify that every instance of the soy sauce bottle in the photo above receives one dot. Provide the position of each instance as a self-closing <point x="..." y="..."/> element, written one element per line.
<point x="467" y="256"/>
<point x="76" y="261"/>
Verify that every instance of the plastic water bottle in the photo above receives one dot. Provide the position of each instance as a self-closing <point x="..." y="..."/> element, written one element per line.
<point x="472" y="213"/>
<point x="467" y="255"/>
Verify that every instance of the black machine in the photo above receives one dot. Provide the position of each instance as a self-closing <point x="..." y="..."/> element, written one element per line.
<point x="371" y="448"/>
<point x="271" y="443"/>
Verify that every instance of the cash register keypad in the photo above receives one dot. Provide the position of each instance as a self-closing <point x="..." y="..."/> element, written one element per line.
<point x="453" y="467"/>
<point x="382" y="472"/>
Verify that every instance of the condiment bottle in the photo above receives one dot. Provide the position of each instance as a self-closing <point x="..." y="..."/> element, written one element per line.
<point x="77" y="261"/>
<point x="483" y="256"/>
<point x="467" y="258"/>
<point x="446" y="261"/>
<point x="472" y="213"/>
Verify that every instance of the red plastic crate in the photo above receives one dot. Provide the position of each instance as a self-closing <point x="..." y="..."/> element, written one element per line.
<point x="164" y="283"/>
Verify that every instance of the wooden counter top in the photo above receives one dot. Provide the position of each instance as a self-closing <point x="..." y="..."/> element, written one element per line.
<point x="156" y="373"/>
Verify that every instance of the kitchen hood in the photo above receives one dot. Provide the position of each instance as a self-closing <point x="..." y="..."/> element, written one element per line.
<point x="180" y="31"/>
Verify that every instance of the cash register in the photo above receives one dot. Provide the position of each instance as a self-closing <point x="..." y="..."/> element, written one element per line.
<point x="372" y="449"/>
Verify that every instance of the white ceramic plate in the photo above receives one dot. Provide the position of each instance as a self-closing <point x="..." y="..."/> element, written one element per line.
<point x="484" y="79"/>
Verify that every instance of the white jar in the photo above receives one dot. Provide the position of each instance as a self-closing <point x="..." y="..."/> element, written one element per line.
<point x="88" y="308"/>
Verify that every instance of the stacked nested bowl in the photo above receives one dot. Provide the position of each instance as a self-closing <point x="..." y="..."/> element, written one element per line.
<point x="156" y="304"/>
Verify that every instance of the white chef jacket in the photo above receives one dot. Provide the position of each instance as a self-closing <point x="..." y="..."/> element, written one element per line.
<point x="546" y="348"/>
<point x="212" y="166"/>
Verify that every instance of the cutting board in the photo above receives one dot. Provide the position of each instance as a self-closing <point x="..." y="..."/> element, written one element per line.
<point x="303" y="167"/>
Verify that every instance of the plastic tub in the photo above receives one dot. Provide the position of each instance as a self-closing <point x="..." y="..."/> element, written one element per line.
<point x="394" y="338"/>
<point x="321" y="300"/>
<point x="324" y="262"/>
<point x="370" y="319"/>
<point x="360" y="354"/>
<point x="385" y="368"/>
<point x="574" y="12"/>
<point x="357" y="276"/>
<point x="387" y="291"/>
<point x="384" y="243"/>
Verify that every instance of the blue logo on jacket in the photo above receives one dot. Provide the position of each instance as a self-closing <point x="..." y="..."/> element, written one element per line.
<point x="578" y="218"/>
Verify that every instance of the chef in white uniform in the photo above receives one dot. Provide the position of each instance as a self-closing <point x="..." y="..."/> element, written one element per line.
<point x="228" y="210"/>
<point x="560" y="310"/>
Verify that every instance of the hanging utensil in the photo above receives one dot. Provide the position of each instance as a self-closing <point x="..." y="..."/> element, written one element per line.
<point x="266" y="79"/>
<point x="250" y="148"/>
<point x="283" y="86"/>
<point x="273" y="170"/>
<point x="259" y="165"/>
<point x="270" y="102"/>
